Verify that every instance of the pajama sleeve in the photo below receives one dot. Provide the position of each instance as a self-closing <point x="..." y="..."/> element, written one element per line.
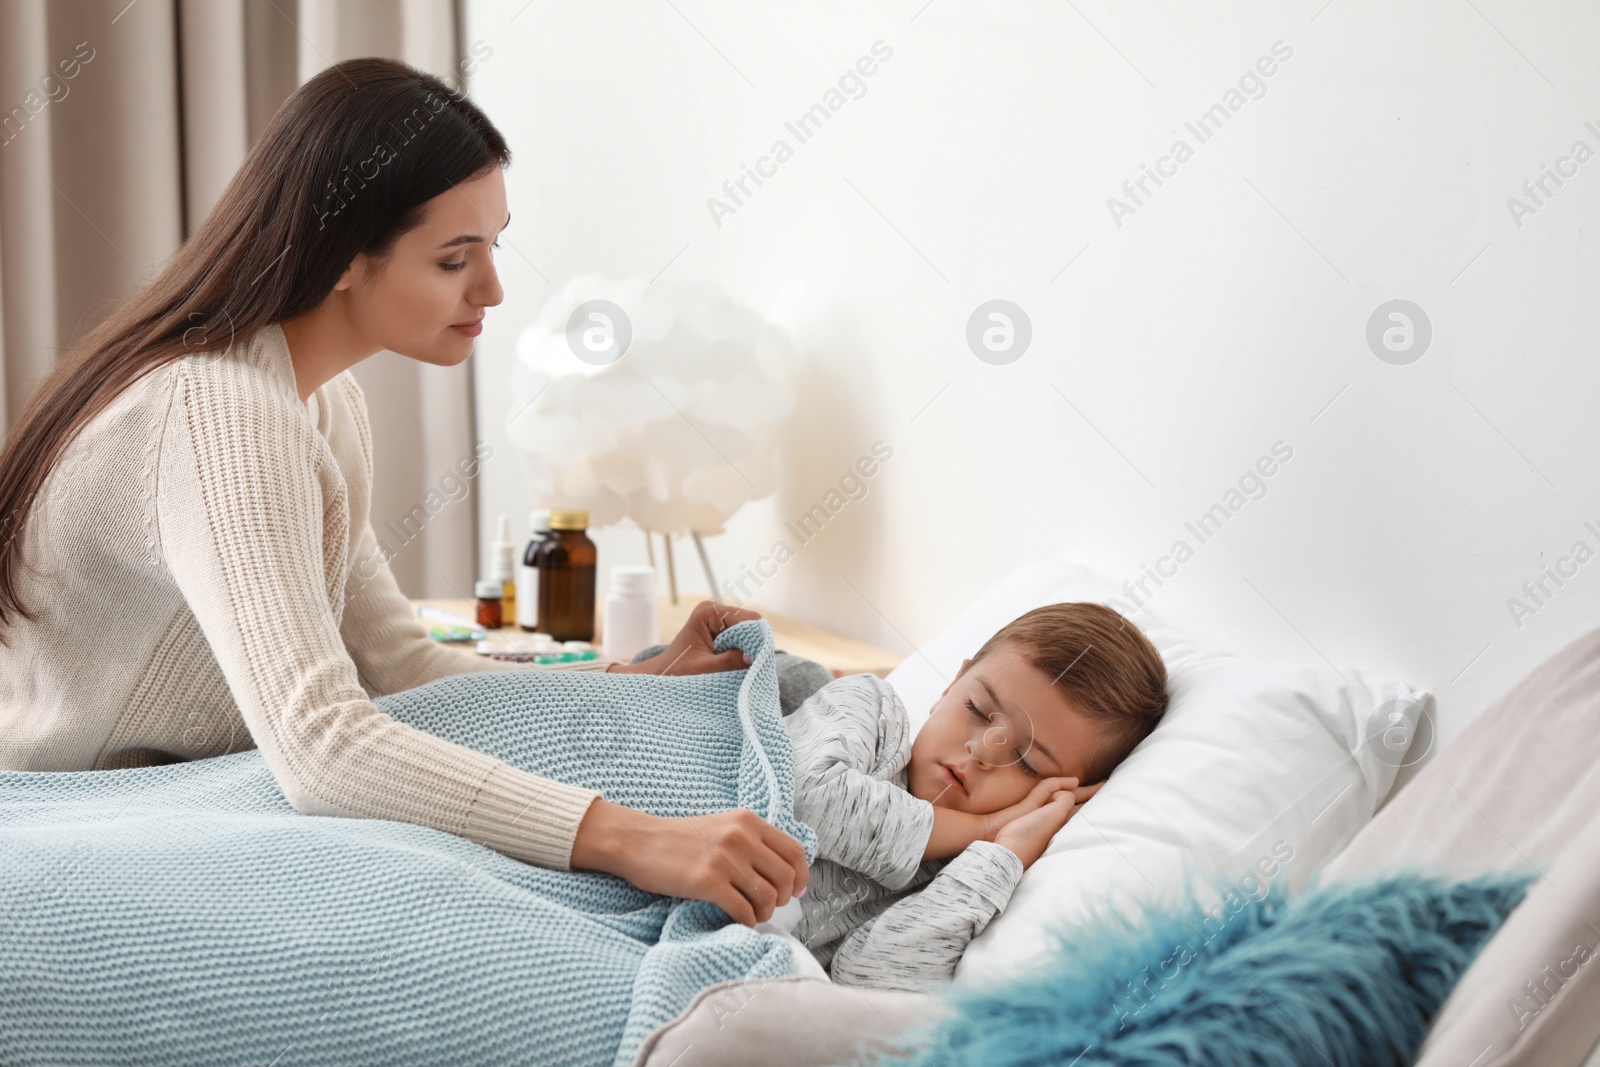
<point x="916" y="943"/>
<point x="848" y="737"/>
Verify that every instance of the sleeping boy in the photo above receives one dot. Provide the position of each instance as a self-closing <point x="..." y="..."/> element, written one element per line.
<point x="920" y="844"/>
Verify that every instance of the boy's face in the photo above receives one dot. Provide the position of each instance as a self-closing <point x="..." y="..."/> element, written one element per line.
<point x="998" y="728"/>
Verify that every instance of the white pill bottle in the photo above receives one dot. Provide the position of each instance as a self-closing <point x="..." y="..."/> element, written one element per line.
<point x="528" y="573"/>
<point x="631" y="621"/>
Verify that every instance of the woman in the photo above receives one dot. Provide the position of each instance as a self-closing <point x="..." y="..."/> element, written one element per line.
<point x="187" y="563"/>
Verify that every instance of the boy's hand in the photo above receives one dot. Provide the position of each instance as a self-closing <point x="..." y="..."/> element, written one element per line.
<point x="1029" y="835"/>
<point x="1037" y="797"/>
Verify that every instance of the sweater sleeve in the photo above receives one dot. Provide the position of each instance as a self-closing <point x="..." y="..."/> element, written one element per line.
<point x="252" y="528"/>
<point x="916" y="943"/>
<point x="845" y="736"/>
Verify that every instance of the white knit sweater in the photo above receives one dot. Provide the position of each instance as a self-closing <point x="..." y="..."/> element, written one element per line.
<point x="207" y="579"/>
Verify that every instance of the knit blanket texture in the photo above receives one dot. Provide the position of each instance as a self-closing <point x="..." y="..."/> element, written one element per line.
<point x="187" y="914"/>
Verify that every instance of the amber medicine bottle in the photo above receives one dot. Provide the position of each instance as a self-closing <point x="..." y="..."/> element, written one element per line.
<point x="528" y="573"/>
<point x="566" y="561"/>
<point x="490" y="598"/>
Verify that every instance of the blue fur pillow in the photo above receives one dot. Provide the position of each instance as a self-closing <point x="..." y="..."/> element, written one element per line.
<point x="1345" y="975"/>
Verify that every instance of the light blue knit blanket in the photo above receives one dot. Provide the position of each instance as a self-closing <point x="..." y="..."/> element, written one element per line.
<point x="186" y="914"/>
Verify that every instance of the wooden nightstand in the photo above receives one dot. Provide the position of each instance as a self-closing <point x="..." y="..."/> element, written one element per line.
<point x="841" y="655"/>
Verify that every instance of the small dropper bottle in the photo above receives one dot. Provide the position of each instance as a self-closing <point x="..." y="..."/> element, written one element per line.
<point x="503" y="567"/>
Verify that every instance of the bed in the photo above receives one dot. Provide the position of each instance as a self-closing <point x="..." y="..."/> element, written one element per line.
<point x="1518" y="789"/>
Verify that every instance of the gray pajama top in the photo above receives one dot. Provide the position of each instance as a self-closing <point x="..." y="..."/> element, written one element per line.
<point x="875" y="913"/>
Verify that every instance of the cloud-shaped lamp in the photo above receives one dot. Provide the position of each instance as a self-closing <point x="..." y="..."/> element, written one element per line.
<point x="660" y="402"/>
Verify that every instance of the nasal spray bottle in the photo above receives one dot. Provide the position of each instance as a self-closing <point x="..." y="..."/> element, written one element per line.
<point x="503" y="568"/>
<point x="527" y="614"/>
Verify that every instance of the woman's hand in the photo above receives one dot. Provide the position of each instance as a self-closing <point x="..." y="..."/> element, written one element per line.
<point x="690" y="652"/>
<point x="733" y="859"/>
<point x="1028" y="834"/>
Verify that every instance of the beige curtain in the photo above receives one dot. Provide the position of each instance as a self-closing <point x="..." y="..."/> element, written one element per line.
<point x="103" y="175"/>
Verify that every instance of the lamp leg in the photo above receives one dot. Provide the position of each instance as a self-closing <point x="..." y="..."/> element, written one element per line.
<point x="705" y="565"/>
<point x="672" y="575"/>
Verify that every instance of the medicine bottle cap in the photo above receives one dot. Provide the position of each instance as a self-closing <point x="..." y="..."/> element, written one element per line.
<point x="633" y="580"/>
<point x="569" y="519"/>
<point x="488" y="589"/>
<point x="539" y="520"/>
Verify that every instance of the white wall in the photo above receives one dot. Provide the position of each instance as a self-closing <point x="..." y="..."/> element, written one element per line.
<point x="1225" y="314"/>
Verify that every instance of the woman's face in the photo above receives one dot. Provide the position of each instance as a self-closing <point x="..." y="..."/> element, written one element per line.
<point x="440" y="274"/>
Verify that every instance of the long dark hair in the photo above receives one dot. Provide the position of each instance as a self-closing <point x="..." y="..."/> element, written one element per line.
<point x="345" y="167"/>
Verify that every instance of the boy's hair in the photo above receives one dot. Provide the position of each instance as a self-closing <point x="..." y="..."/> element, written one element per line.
<point x="1107" y="666"/>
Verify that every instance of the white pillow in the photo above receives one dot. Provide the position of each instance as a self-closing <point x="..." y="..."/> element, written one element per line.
<point x="1259" y="770"/>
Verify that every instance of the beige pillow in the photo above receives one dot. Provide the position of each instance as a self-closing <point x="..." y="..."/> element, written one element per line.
<point x="1517" y="790"/>
<point x="1533" y="995"/>
<point x="784" y="1022"/>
